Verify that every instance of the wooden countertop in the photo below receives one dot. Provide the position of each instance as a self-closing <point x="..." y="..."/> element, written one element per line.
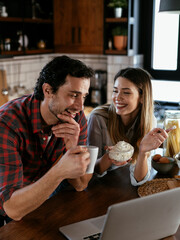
<point x="71" y="206"/>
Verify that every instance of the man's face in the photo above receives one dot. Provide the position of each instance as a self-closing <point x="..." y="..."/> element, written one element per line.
<point x="70" y="97"/>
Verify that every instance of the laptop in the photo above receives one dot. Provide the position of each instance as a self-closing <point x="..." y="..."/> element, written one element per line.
<point x="148" y="218"/>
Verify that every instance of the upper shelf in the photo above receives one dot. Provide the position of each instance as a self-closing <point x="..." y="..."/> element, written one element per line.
<point x="116" y="20"/>
<point x="37" y="20"/>
<point x="33" y="51"/>
<point x="28" y="20"/>
<point x="10" y="19"/>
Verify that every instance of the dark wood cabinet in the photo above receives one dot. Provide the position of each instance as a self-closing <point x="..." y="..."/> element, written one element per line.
<point x="78" y="26"/>
<point x="85" y="26"/>
<point x="25" y="26"/>
<point x="65" y="26"/>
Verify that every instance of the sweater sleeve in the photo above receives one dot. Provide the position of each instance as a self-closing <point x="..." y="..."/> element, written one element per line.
<point x="95" y="134"/>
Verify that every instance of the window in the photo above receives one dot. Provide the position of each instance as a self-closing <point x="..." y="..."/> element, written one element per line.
<point x="166" y="91"/>
<point x="165" y="40"/>
<point x="163" y="58"/>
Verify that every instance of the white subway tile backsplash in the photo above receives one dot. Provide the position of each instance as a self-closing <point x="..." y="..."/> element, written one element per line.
<point x="24" y="70"/>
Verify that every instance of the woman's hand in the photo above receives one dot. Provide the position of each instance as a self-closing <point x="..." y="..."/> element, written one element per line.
<point x="117" y="163"/>
<point x="153" y="140"/>
<point x="105" y="161"/>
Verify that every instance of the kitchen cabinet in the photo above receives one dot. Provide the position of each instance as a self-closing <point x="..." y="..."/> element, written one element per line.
<point x="85" y="26"/>
<point x="78" y="26"/>
<point x="65" y="26"/>
<point x="27" y="23"/>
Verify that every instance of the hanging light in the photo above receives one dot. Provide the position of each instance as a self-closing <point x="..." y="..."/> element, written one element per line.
<point x="170" y="6"/>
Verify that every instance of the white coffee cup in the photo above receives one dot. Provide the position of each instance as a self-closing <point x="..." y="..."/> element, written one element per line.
<point x="93" y="150"/>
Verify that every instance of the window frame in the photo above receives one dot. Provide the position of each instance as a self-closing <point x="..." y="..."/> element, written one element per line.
<point x="148" y="47"/>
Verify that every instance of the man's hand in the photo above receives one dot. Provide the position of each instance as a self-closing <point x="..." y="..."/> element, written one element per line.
<point x="28" y="198"/>
<point x="74" y="162"/>
<point x="69" y="130"/>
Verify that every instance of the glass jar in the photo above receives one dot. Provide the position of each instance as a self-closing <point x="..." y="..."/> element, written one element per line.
<point x="41" y="44"/>
<point x="172" y="144"/>
<point x="7" y="44"/>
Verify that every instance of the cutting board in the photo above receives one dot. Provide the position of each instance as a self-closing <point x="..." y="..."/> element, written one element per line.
<point x="3" y="84"/>
<point x="173" y="184"/>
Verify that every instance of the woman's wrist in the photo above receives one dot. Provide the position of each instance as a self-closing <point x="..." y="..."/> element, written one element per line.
<point x="103" y="164"/>
<point x="143" y="153"/>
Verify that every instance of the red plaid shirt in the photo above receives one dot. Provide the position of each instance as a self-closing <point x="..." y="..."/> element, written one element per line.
<point x="25" y="155"/>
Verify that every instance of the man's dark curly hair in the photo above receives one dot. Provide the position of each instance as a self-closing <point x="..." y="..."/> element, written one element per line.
<point x="55" y="72"/>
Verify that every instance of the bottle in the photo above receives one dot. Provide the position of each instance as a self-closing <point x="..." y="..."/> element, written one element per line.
<point x="3" y="12"/>
<point x="41" y="44"/>
<point x="7" y="44"/>
<point x="172" y="144"/>
<point x="22" y="40"/>
<point x="110" y="44"/>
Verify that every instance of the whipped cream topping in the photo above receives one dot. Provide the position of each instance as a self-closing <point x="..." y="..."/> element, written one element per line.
<point x="122" y="151"/>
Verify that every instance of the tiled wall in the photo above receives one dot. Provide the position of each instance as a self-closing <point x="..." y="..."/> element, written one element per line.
<point x="22" y="72"/>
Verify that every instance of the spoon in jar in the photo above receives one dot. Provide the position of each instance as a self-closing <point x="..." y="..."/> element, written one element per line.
<point x="171" y="128"/>
<point x="168" y="129"/>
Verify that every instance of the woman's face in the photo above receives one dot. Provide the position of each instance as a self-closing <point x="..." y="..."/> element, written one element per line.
<point x="126" y="98"/>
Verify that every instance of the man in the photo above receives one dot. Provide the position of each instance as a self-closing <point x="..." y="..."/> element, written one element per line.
<point x="39" y="138"/>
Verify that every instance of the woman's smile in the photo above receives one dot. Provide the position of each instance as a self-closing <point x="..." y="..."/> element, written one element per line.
<point x="120" y="105"/>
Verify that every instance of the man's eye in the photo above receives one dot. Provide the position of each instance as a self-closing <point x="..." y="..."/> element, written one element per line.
<point x="127" y="93"/>
<point x="74" y="95"/>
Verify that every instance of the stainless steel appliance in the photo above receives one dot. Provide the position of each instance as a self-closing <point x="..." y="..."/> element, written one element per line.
<point x="98" y="88"/>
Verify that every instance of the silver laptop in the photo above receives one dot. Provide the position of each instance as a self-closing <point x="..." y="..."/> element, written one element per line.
<point x="148" y="218"/>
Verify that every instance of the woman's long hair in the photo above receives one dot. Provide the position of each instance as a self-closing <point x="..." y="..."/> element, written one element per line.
<point x="142" y="80"/>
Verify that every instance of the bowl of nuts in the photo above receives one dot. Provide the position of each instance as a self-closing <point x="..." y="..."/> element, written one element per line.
<point x="162" y="164"/>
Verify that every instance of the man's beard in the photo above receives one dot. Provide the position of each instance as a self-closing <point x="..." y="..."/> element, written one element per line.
<point x="55" y="114"/>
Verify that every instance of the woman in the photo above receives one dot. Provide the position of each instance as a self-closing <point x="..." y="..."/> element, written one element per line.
<point x="128" y="118"/>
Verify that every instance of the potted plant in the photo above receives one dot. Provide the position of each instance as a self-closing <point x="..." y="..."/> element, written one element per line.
<point x="118" y="5"/>
<point x="120" y="37"/>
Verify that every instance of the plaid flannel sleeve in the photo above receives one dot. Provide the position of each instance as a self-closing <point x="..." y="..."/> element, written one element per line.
<point x="11" y="169"/>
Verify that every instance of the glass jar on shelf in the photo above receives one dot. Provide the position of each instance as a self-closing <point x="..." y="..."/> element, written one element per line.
<point x="7" y="44"/>
<point x="41" y="44"/>
<point x="172" y="144"/>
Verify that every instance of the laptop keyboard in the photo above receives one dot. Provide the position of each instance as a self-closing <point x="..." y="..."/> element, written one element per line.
<point x="93" y="237"/>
